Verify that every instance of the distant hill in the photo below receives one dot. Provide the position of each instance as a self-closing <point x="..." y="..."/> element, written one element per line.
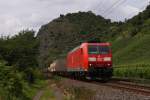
<point x="130" y="39"/>
<point x="68" y="31"/>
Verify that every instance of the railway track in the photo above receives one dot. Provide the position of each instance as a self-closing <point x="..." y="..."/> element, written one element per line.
<point x="124" y="85"/>
<point x="128" y="86"/>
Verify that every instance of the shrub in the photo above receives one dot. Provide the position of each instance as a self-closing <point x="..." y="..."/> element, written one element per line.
<point x="133" y="71"/>
<point x="11" y="83"/>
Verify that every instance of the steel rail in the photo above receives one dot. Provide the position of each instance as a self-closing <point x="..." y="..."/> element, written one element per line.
<point x="130" y="87"/>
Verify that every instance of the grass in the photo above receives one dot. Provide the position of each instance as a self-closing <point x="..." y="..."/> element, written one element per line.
<point x="31" y="91"/>
<point x="48" y="94"/>
<point x="48" y="91"/>
<point x="131" y="57"/>
<point x="133" y="50"/>
<point x="79" y="93"/>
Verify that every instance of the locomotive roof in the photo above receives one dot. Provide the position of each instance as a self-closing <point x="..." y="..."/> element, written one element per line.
<point x="75" y="49"/>
<point x="102" y="44"/>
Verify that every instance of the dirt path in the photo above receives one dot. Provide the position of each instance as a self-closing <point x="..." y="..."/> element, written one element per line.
<point x="57" y="93"/>
<point x="38" y="95"/>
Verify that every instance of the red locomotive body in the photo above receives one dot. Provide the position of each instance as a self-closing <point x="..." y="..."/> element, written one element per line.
<point x="91" y="59"/>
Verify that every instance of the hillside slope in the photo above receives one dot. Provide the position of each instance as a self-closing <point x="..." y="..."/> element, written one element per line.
<point x="130" y="39"/>
<point x="132" y="51"/>
<point x="133" y="44"/>
<point x="66" y="32"/>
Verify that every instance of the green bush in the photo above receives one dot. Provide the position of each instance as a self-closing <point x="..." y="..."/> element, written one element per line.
<point x="14" y="87"/>
<point x="140" y="71"/>
<point x="11" y="83"/>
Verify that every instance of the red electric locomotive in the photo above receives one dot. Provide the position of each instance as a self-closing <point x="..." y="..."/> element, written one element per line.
<point x="90" y="59"/>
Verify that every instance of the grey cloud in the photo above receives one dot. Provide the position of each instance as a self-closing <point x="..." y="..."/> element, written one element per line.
<point x="21" y="14"/>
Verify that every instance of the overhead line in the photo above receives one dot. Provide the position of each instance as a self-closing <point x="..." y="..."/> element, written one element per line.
<point x="117" y="5"/>
<point x="99" y="4"/>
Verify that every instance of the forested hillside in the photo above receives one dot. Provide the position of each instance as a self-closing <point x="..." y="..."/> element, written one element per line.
<point x="130" y="39"/>
<point x="132" y="43"/>
<point x="68" y="31"/>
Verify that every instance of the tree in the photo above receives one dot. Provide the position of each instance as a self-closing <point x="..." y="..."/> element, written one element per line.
<point x="21" y="51"/>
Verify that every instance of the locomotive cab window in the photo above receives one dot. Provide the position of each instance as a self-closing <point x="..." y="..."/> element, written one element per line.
<point x="103" y="49"/>
<point x="94" y="49"/>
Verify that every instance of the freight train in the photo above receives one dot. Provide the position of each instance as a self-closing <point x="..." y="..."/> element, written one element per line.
<point x="92" y="60"/>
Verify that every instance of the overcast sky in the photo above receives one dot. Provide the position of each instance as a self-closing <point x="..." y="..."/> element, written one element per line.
<point x="16" y="15"/>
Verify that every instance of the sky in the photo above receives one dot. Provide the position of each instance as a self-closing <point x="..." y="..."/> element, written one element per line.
<point x="17" y="15"/>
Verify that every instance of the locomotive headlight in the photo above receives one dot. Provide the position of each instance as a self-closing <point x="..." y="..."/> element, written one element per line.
<point x="107" y="58"/>
<point x="92" y="59"/>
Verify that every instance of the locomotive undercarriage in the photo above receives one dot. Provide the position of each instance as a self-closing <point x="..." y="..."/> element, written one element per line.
<point x="93" y="73"/>
<point x="102" y="73"/>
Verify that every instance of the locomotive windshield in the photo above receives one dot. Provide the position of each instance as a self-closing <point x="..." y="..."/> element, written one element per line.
<point x="94" y="49"/>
